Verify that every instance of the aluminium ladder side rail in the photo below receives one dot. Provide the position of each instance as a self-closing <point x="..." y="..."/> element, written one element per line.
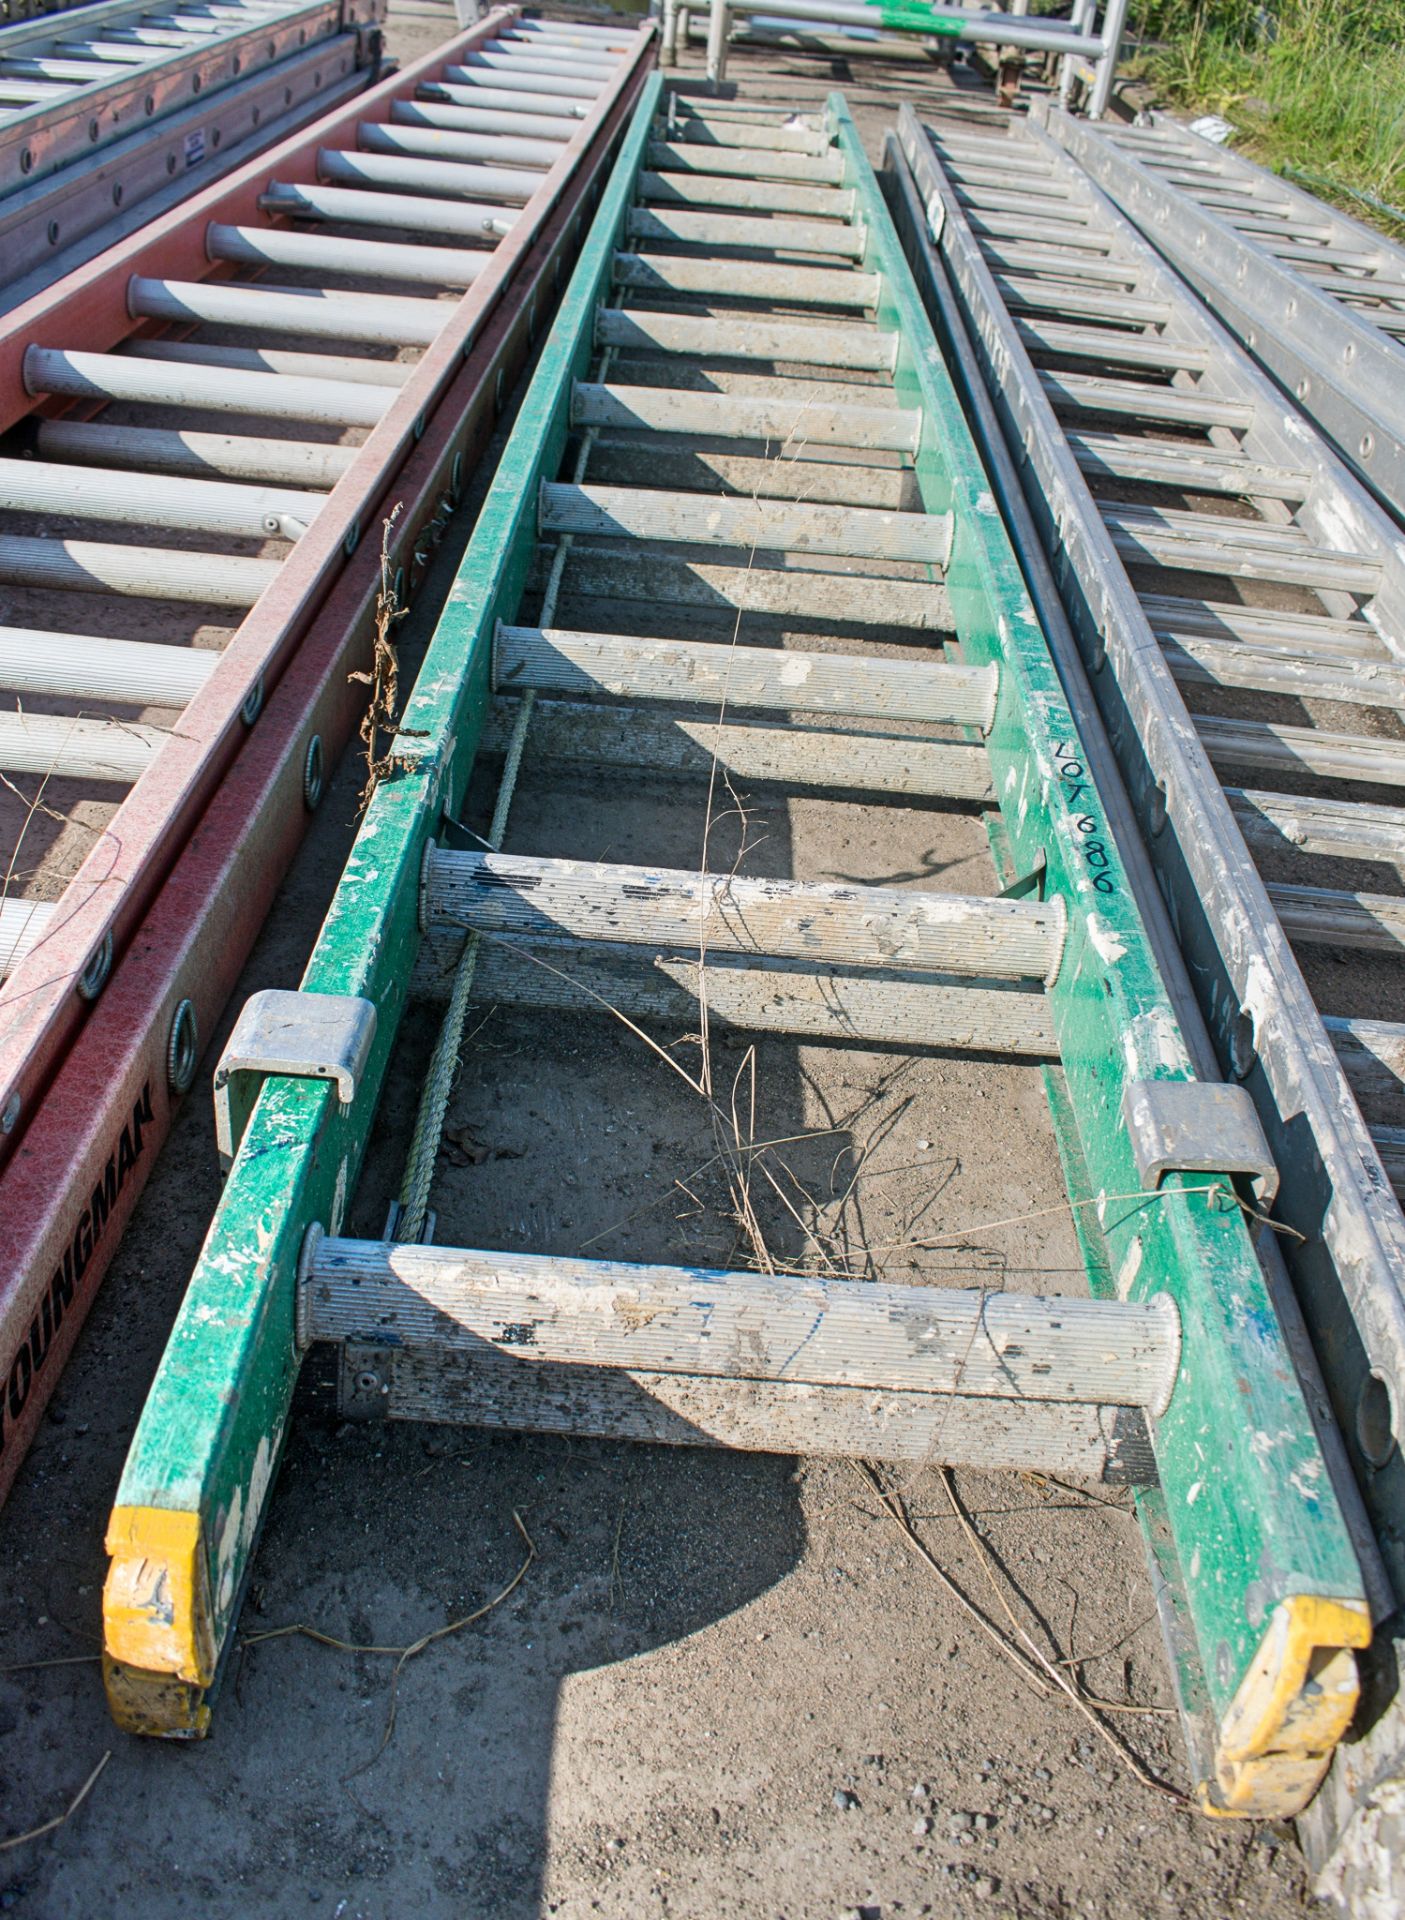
<point x="68" y="89"/>
<point x="1347" y="1250"/>
<point x="1073" y="38"/>
<point x="58" y="224"/>
<point x="1081" y="983"/>
<point x="1316" y="296"/>
<point x="220" y="803"/>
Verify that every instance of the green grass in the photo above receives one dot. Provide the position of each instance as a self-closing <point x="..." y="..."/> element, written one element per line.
<point x="1317" y="85"/>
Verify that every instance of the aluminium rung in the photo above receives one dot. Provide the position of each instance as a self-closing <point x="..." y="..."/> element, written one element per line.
<point x="742" y="1325"/>
<point x="1372" y="1052"/>
<point x="197" y="506"/>
<point x="1085" y="393"/>
<point x="638" y="513"/>
<point x="530" y="111"/>
<point x="494" y="1391"/>
<point x="297" y="463"/>
<point x="364" y="259"/>
<point x="359" y="370"/>
<point x="702" y="672"/>
<point x="1287" y="749"/>
<point x="1335" y="917"/>
<point x="482" y="222"/>
<point x="417" y="133"/>
<point x="747" y="163"/>
<point x="1197" y="469"/>
<point x="849" y="926"/>
<point x="561" y="86"/>
<point x="156" y="573"/>
<point x="790" y="286"/>
<point x="1389" y="1143"/>
<point x="130" y="672"/>
<point x="1074" y="271"/>
<point x="837" y="238"/>
<point x="55" y="745"/>
<point x="1339" y="829"/>
<point x="619" y="571"/>
<point x="1196" y="660"/>
<point x="546" y="131"/>
<point x="324" y="313"/>
<point x="111" y="376"/>
<point x="1025" y="295"/>
<point x="854" y="348"/>
<point x="1314" y="633"/>
<point x="1146" y="541"/>
<point x="1112" y="347"/>
<point x="508" y="186"/>
<point x="23" y="924"/>
<point x="798" y="474"/>
<point x="821" y="1004"/>
<point x="736" y="417"/>
<point x="672" y="190"/>
<point x="809" y="758"/>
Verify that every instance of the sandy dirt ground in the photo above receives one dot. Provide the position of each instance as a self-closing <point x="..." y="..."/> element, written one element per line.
<point x="724" y="1685"/>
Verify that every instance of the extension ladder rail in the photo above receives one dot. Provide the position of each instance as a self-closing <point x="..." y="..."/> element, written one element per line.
<point x="229" y="496"/>
<point x="59" y="222"/>
<point x="1268" y="501"/>
<point x="69" y="88"/>
<point x="712" y="510"/>
<point x="1316" y="296"/>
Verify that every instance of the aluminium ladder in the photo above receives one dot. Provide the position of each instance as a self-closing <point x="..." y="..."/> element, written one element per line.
<point x="189" y="586"/>
<point x="1317" y="297"/>
<point x="1240" y="602"/>
<point x="740" y="422"/>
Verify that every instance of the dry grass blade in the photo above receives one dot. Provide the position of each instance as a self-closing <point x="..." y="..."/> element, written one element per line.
<point x="59" y="1819"/>
<point x="299" y="1629"/>
<point x="1028" y="1659"/>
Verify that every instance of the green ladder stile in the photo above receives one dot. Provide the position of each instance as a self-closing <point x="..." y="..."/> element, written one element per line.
<point x="1272" y="1588"/>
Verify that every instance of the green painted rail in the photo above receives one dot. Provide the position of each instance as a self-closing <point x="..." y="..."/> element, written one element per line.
<point x="1272" y="1591"/>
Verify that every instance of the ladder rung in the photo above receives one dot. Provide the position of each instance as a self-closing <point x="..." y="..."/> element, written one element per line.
<point x="835" y="599"/>
<point x="482" y="222"/>
<point x="298" y="463"/>
<point x="1087" y="394"/>
<point x="327" y="253"/>
<point x="143" y="499"/>
<point x="796" y="475"/>
<point x="703" y="672"/>
<point x="501" y="186"/>
<point x="1198" y="469"/>
<point x="23" y="924"/>
<point x="1390" y="1144"/>
<point x="696" y="131"/>
<point x="493" y="1390"/>
<point x="824" y="1005"/>
<point x="747" y="163"/>
<point x="1112" y="347"/>
<point x="809" y="758"/>
<point x="862" y="349"/>
<point x="323" y="313"/>
<point x="775" y="526"/>
<point x="842" y="1333"/>
<point x="1315" y="633"/>
<point x="360" y="370"/>
<point x="428" y="132"/>
<point x="132" y="672"/>
<point x="53" y="744"/>
<point x="1333" y="917"/>
<point x="1330" y="756"/>
<point x="1074" y="270"/>
<point x="1148" y="544"/>
<point x="110" y="376"/>
<point x="1339" y="829"/>
<point x="1232" y="663"/>
<point x="1042" y="296"/>
<point x="733" y="417"/>
<point x="764" y="196"/>
<point x="155" y="573"/>
<point x="847" y="926"/>
<point x="748" y="280"/>
<point x="730" y="230"/>
<point x="1373" y="1054"/>
<point x="1071" y="234"/>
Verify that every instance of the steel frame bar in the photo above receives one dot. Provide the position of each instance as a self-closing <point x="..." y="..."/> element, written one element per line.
<point x="1347" y="1249"/>
<point x="1313" y="333"/>
<point x="218" y="818"/>
<point x="198" y="1477"/>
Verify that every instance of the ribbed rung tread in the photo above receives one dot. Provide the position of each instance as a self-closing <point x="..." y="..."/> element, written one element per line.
<point x="810" y="759"/>
<point x="850" y="926"/>
<point x="669" y="190"/>
<point x="1087" y="394"/>
<point x="853" y="348"/>
<point x="1195" y="469"/>
<point x="699" y="672"/>
<point x="786" y="285"/>
<point x="776" y="526"/>
<point x="1338" y="829"/>
<point x="735" y="230"/>
<point x="746" y="163"/>
<point x="736" y="417"/>
<point x="1335" y="917"/>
